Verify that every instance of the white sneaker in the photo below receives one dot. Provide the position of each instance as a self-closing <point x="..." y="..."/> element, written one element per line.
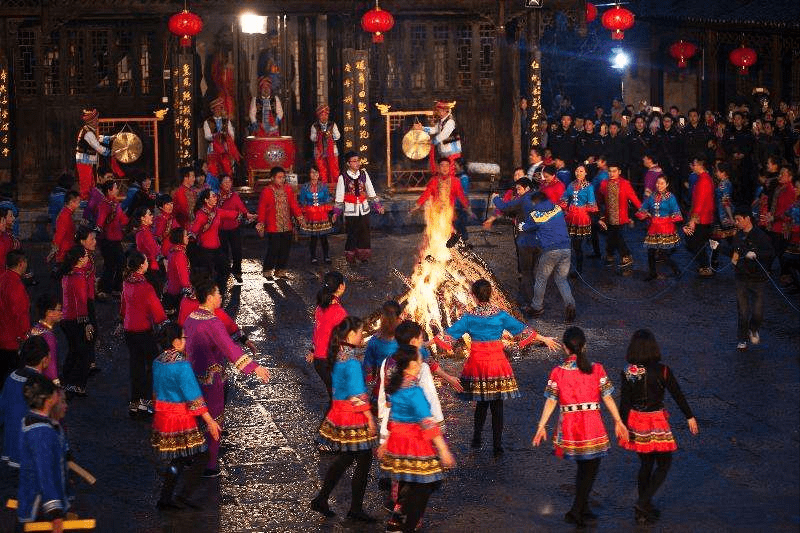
<point x="742" y="346"/>
<point x="754" y="338"/>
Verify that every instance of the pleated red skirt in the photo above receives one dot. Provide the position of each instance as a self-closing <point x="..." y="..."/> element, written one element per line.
<point x="649" y="432"/>
<point x="487" y="374"/>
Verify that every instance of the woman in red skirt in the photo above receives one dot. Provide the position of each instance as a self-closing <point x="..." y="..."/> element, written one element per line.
<point x="642" y="406"/>
<point x="176" y="437"/>
<point x="577" y="385"/>
<point x="415" y="452"/>
<point x="487" y="377"/>
<point x="578" y="202"/>
<point x="316" y="203"/>
<point x="349" y="427"/>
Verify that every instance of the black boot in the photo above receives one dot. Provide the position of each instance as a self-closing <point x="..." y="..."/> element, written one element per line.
<point x="480" y="418"/>
<point x="171" y="475"/>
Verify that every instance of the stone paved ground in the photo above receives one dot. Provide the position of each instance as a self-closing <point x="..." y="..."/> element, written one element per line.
<point x="740" y="474"/>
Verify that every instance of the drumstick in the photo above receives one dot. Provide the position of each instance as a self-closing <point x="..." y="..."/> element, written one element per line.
<point x="89" y="478"/>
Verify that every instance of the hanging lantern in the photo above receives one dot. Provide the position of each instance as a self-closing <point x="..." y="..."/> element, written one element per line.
<point x="591" y="12"/>
<point x="744" y="58"/>
<point x="185" y="25"/>
<point x="617" y="19"/>
<point x="377" y="22"/>
<point x="682" y="51"/>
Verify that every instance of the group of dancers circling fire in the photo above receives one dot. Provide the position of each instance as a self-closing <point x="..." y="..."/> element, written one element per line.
<point x="383" y="401"/>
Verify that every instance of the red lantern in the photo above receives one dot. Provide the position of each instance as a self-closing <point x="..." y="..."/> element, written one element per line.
<point x="617" y="19"/>
<point x="682" y="51"/>
<point x="377" y="22"/>
<point x="591" y="12"/>
<point x="744" y="58"/>
<point x="185" y="25"/>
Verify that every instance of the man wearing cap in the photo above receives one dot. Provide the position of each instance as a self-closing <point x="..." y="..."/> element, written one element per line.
<point x="89" y="144"/>
<point x="218" y="131"/>
<point x="266" y="111"/>
<point x="324" y="135"/>
<point x="444" y="135"/>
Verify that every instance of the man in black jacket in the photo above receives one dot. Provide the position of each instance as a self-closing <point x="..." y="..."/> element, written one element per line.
<point x="750" y="249"/>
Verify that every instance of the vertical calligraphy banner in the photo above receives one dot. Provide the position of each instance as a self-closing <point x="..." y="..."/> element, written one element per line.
<point x="182" y="104"/>
<point x="348" y="101"/>
<point x="355" y="103"/>
<point x="361" y="96"/>
<point x="5" y="113"/>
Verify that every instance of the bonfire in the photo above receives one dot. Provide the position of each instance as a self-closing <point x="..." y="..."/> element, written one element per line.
<point x="439" y="289"/>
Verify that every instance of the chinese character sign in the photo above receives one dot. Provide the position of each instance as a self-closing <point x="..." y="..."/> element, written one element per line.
<point x="5" y="115"/>
<point x="355" y="103"/>
<point x="182" y="83"/>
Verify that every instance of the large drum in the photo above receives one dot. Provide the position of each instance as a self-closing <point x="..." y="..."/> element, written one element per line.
<point x="263" y="153"/>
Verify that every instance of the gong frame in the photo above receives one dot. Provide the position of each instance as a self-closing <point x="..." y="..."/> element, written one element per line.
<point x="148" y="125"/>
<point x="418" y="177"/>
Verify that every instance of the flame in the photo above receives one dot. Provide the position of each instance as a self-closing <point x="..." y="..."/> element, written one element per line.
<point x="439" y="288"/>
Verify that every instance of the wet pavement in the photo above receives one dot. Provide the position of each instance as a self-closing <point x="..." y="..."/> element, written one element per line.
<point x="741" y="473"/>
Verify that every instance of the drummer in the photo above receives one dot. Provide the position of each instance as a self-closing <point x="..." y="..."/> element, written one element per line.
<point x="266" y="111"/>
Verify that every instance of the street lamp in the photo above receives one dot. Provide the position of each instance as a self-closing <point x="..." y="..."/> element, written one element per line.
<point x="620" y="59"/>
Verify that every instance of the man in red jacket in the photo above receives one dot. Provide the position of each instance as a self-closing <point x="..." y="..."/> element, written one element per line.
<point x="184" y="198"/>
<point x="64" y="236"/>
<point x="276" y="206"/>
<point x="111" y="219"/>
<point x="701" y="216"/>
<point x="15" y="319"/>
<point x="617" y="193"/>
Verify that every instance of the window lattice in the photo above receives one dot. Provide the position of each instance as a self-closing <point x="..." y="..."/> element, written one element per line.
<point x="76" y="84"/>
<point x="464" y="55"/>
<point x="26" y="62"/>
<point x="52" y="67"/>
<point x="98" y="45"/>
<point x="418" y="56"/>
<point x="441" y="59"/>
<point x="144" y="62"/>
<point x="487" y="52"/>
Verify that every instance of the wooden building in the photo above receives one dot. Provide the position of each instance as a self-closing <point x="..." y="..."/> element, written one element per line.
<point x="710" y="81"/>
<point x="62" y="56"/>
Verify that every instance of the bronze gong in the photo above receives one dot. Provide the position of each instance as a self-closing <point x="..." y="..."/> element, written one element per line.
<point x="416" y="144"/>
<point x="127" y="147"/>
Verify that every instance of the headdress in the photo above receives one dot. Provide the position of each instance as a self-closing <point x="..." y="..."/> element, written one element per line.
<point x="264" y="81"/>
<point x="90" y="115"/>
<point x="322" y="108"/>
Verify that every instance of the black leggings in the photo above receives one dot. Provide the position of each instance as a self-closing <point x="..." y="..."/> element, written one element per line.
<point x="577" y="252"/>
<point x="649" y="479"/>
<point x="312" y="245"/>
<point x="497" y="421"/>
<point x="363" y="460"/>
<point x="323" y="368"/>
<point x="413" y="498"/>
<point x="584" y="479"/>
<point x="652" y="255"/>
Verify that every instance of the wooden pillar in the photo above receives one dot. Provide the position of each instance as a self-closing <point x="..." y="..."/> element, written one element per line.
<point x="712" y="69"/>
<point x="777" y="69"/>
